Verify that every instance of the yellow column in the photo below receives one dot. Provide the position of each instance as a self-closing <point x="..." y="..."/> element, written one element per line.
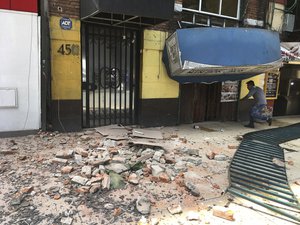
<point x="65" y="60"/>
<point x="155" y="82"/>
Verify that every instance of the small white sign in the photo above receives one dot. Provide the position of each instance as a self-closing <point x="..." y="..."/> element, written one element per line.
<point x="8" y="98"/>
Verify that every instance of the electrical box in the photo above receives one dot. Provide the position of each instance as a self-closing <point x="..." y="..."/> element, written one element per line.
<point x="288" y="22"/>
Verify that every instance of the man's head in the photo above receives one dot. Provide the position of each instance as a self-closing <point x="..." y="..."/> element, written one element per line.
<point x="250" y="84"/>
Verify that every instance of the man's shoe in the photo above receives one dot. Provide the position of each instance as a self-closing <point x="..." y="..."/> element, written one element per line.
<point x="249" y="126"/>
<point x="269" y="121"/>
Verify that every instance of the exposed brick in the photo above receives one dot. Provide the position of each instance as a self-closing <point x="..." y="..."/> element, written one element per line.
<point x="255" y="9"/>
<point x="65" y="8"/>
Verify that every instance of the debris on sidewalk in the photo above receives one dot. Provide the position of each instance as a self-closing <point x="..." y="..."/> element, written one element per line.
<point x="223" y="212"/>
<point x="146" y="133"/>
<point x="113" y="132"/>
<point x="175" y="209"/>
<point x="278" y="162"/>
<point x="113" y="175"/>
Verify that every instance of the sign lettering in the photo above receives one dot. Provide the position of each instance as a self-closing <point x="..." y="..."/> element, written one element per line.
<point x="68" y="49"/>
<point x="65" y="23"/>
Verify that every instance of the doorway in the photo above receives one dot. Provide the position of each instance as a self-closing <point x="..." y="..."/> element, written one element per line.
<point x="202" y="102"/>
<point x="110" y="75"/>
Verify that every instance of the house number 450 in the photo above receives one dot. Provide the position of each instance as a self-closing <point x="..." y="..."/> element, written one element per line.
<point x="68" y="49"/>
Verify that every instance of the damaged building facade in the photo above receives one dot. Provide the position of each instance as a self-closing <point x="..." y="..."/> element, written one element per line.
<point x="107" y="62"/>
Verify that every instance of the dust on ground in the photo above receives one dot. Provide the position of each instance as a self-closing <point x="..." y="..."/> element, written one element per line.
<point x="122" y="175"/>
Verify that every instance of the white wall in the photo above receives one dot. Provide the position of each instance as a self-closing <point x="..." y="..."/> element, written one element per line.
<point x="20" y="71"/>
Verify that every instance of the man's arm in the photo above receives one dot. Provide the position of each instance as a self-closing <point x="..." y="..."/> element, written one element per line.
<point x="250" y="93"/>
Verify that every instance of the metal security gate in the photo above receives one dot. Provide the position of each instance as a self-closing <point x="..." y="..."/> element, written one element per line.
<point x="255" y="177"/>
<point x="110" y="75"/>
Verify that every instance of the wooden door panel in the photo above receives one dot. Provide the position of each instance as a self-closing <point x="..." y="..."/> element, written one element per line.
<point x="186" y="103"/>
<point x="202" y="102"/>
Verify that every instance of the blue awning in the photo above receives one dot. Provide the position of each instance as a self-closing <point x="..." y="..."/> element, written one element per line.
<point x="206" y="55"/>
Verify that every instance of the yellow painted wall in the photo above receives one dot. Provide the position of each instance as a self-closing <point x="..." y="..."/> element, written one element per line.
<point x="65" y="68"/>
<point x="259" y="81"/>
<point x="155" y="82"/>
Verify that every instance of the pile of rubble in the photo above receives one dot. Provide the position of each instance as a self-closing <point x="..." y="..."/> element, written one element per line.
<point x="126" y="175"/>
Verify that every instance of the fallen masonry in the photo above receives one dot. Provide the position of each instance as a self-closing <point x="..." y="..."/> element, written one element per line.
<point x="73" y="177"/>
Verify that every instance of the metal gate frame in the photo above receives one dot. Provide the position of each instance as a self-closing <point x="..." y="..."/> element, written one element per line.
<point x="111" y="75"/>
<point x="255" y="177"/>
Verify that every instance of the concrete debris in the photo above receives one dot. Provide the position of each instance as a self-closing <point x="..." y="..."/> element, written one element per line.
<point x="58" y="160"/>
<point x="220" y="157"/>
<point x="65" y="154"/>
<point x="114" y="132"/>
<point x="110" y="143"/>
<point x="192" y="188"/>
<point x="133" y="179"/>
<point x="142" y="221"/>
<point x="81" y="152"/>
<point x="86" y="171"/>
<point x="85" y="138"/>
<point x="80" y="180"/>
<point x="145" y="142"/>
<point x="143" y="205"/>
<point x="278" y="162"/>
<point x="146" y="133"/>
<point x="105" y="176"/>
<point x="7" y="152"/>
<point x="154" y="221"/>
<point x="106" y="182"/>
<point x="95" y="188"/>
<point x="193" y="216"/>
<point x="175" y="209"/>
<point x="66" y="221"/>
<point x="109" y="206"/>
<point x="117" y="167"/>
<point x="78" y="159"/>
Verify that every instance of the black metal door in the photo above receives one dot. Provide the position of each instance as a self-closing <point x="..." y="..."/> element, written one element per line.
<point x="110" y="75"/>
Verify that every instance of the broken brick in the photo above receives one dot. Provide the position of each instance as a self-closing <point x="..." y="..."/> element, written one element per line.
<point x="210" y="155"/>
<point x="223" y="212"/>
<point x="232" y="146"/>
<point x="66" y="169"/>
<point x="26" y="190"/>
<point x="163" y="177"/>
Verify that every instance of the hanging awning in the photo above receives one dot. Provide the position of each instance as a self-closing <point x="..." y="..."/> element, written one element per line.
<point x="131" y="13"/>
<point x="206" y="55"/>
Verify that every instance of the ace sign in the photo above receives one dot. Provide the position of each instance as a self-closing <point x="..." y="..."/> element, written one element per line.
<point x="65" y="23"/>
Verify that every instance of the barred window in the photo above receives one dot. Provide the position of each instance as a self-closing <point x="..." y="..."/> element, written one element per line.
<point x="222" y="8"/>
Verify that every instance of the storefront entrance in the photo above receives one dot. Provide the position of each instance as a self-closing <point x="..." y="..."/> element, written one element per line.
<point x="110" y="75"/>
<point x="202" y="102"/>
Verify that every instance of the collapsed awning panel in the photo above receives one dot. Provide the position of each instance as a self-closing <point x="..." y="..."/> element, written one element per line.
<point x="161" y="9"/>
<point x="290" y="51"/>
<point x="219" y="54"/>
